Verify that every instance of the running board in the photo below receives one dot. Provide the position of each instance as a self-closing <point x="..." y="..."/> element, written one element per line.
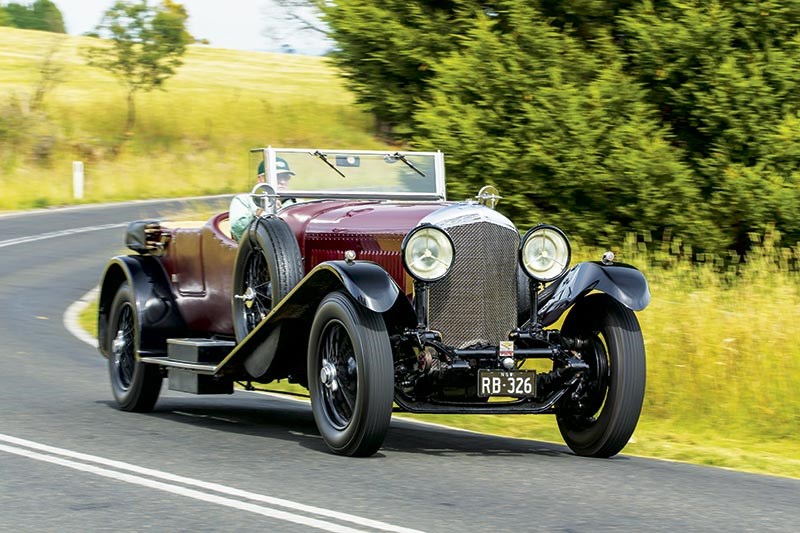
<point x="193" y="365"/>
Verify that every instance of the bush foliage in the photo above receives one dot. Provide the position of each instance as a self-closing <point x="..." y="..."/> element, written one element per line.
<point x="42" y="15"/>
<point x="604" y="116"/>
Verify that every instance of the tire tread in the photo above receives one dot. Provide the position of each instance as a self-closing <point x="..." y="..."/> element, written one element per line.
<point x="624" y="332"/>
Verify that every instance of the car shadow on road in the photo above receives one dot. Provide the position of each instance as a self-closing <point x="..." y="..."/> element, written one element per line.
<point x="278" y="418"/>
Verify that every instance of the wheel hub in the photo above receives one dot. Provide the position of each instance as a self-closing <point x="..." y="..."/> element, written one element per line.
<point x="327" y="375"/>
<point x="119" y="344"/>
<point x="248" y="297"/>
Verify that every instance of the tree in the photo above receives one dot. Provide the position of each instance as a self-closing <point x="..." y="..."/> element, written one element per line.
<point x="295" y="25"/>
<point x="697" y="102"/>
<point x="724" y="77"/>
<point x="48" y="16"/>
<point x="144" y="49"/>
<point x="561" y="131"/>
<point x="386" y="50"/>
<point x="42" y="15"/>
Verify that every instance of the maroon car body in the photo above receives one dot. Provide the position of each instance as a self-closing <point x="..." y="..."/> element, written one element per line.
<point x="200" y="260"/>
<point x="373" y="293"/>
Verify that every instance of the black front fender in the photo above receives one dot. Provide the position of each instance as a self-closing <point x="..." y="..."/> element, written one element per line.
<point x="622" y="282"/>
<point x="368" y="283"/>
<point x="284" y="332"/>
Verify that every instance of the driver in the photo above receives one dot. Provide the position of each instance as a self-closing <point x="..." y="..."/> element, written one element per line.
<point x="243" y="209"/>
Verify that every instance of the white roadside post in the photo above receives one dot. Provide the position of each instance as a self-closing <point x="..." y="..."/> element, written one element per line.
<point x="77" y="179"/>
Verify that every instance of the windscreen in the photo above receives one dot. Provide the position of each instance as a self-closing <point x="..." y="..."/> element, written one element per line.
<point x="387" y="172"/>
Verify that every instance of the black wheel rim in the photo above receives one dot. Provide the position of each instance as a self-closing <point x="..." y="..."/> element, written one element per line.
<point x="596" y="385"/>
<point x="338" y="368"/>
<point x="123" y="348"/>
<point x="256" y="280"/>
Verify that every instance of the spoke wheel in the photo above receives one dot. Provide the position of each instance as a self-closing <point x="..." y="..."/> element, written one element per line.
<point x="601" y="421"/>
<point x="123" y="347"/>
<point x="268" y="266"/>
<point x="258" y="289"/>
<point x="350" y="376"/>
<point x="338" y="375"/>
<point x="135" y="385"/>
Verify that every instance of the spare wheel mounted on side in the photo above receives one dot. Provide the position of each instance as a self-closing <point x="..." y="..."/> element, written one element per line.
<point x="268" y="266"/>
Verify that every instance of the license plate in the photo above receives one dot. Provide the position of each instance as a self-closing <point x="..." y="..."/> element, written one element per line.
<point x="517" y="383"/>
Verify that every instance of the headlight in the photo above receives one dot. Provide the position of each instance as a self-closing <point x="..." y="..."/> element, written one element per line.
<point x="427" y="253"/>
<point x="545" y="253"/>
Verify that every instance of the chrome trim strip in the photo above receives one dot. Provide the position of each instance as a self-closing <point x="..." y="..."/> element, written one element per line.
<point x="438" y="162"/>
<point x="331" y="195"/>
<point x="337" y="151"/>
<point x="200" y="368"/>
<point x="466" y="213"/>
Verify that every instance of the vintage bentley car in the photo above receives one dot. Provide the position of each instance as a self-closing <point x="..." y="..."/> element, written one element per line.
<point x="362" y="283"/>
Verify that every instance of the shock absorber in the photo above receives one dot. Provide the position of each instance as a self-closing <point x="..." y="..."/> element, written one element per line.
<point x="561" y="375"/>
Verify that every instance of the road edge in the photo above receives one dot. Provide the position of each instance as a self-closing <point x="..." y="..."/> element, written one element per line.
<point x="72" y="313"/>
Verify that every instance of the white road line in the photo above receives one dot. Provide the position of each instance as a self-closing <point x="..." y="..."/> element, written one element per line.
<point x="62" y="233"/>
<point x="182" y="491"/>
<point x="295" y="506"/>
<point x="70" y="322"/>
<point x="127" y="203"/>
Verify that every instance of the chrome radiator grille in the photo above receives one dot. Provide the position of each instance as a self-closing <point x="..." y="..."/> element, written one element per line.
<point x="477" y="300"/>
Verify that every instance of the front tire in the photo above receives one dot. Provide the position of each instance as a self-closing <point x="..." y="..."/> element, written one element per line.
<point x="135" y="385"/>
<point x="603" y="422"/>
<point x="350" y="376"/>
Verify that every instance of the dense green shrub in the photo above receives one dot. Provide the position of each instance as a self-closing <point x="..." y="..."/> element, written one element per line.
<point x="564" y="135"/>
<point x="724" y="77"/>
<point x="386" y="50"/>
<point x="680" y="116"/>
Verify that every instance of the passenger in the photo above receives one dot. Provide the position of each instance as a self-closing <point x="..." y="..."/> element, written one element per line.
<point x="243" y="209"/>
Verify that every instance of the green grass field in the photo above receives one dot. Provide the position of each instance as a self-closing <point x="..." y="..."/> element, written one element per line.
<point x="723" y="368"/>
<point x="192" y="138"/>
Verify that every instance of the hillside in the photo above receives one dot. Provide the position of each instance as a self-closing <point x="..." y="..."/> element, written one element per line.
<point x="191" y="138"/>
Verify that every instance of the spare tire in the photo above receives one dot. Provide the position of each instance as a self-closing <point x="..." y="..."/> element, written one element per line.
<point x="268" y="266"/>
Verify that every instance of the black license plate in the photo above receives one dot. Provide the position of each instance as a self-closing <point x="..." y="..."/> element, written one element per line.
<point x="517" y="383"/>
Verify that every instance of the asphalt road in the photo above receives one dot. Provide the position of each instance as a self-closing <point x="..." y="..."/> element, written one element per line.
<point x="69" y="461"/>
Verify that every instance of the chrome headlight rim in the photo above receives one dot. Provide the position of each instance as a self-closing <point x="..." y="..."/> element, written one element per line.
<point x="445" y="238"/>
<point x="534" y="232"/>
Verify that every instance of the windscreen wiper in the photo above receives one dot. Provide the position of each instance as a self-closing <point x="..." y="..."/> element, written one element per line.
<point x="401" y="157"/>
<point x="325" y="160"/>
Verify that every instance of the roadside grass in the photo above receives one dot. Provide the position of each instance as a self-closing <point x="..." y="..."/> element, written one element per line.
<point x="723" y="369"/>
<point x="723" y="372"/>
